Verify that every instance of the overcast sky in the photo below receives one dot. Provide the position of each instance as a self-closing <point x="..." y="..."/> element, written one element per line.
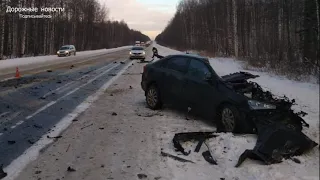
<point x="148" y="16"/>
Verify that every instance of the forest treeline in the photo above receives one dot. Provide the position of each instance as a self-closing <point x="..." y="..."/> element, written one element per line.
<point x="83" y="23"/>
<point x="282" y="35"/>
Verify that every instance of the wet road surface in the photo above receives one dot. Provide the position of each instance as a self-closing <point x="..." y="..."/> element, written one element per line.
<point x="31" y="106"/>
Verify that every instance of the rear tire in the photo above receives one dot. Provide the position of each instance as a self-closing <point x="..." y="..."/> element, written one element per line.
<point x="153" y="98"/>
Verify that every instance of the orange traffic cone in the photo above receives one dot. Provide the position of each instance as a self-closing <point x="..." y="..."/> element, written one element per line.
<point x="17" y="73"/>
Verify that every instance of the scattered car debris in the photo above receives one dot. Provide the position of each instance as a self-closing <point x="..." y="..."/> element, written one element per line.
<point x="277" y="141"/>
<point x="122" y="62"/>
<point x="296" y="160"/>
<point x="157" y="178"/>
<point x="37" y="126"/>
<point x="5" y="129"/>
<point x="75" y="120"/>
<point x="2" y="173"/>
<point x="49" y="70"/>
<point x="175" y="157"/>
<point x="56" y="137"/>
<point x="68" y="147"/>
<point x="101" y="128"/>
<point x="37" y="172"/>
<point x="130" y="87"/>
<point x="112" y="74"/>
<point x="70" y="169"/>
<point x="59" y="82"/>
<point x="114" y="114"/>
<point x="30" y="141"/>
<point x="142" y="176"/>
<point x="87" y="126"/>
<point x="72" y="66"/>
<point x="183" y="137"/>
<point x="11" y="142"/>
<point x="207" y="156"/>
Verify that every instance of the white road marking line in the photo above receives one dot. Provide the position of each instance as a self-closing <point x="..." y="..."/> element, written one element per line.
<point x="1" y="134"/>
<point x="17" y="124"/>
<point x="70" y="83"/>
<point x="13" y="116"/>
<point x="31" y="154"/>
<point x="69" y="93"/>
<point x="50" y="92"/>
<point x="5" y="113"/>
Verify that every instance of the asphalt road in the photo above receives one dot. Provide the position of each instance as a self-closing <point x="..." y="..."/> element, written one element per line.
<point x="32" y="105"/>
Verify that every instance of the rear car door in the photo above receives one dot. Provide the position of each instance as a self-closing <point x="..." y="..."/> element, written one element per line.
<point x="199" y="92"/>
<point x="174" y="79"/>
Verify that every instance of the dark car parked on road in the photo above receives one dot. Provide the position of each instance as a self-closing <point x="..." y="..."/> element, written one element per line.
<point x="189" y="81"/>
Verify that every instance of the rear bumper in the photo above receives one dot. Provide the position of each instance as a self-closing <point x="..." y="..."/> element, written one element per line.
<point x="144" y="85"/>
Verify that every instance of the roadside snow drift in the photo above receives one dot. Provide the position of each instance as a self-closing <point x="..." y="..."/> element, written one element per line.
<point x="226" y="148"/>
<point x="8" y="63"/>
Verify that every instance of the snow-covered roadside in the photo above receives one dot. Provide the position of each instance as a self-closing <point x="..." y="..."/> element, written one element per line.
<point x="42" y="59"/>
<point x="227" y="148"/>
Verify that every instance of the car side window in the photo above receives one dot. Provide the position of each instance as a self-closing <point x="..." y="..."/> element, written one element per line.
<point x="198" y="69"/>
<point x="178" y="64"/>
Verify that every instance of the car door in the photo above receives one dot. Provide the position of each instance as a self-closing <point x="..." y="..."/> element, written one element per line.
<point x="174" y="79"/>
<point x="198" y="92"/>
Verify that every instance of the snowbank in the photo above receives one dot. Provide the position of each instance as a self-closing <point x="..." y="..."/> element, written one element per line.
<point x="9" y="63"/>
<point x="227" y="147"/>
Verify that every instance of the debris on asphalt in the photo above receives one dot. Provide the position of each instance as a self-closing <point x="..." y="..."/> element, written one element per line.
<point x="59" y="82"/>
<point x="2" y="173"/>
<point x="56" y="137"/>
<point x="37" y="172"/>
<point x="75" y="120"/>
<point x="11" y="142"/>
<point x="30" y="141"/>
<point x="122" y="62"/>
<point x="112" y="74"/>
<point x="207" y="156"/>
<point x="68" y="147"/>
<point x="142" y="176"/>
<point x="296" y="160"/>
<point x="101" y="128"/>
<point x="130" y="87"/>
<point x="175" y="157"/>
<point x="72" y="66"/>
<point x="37" y="126"/>
<point x="5" y="129"/>
<point x="87" y="126"/>
<point x="70" y="169"/>
<point x="114" y="114"/>
<point x="102" y="165"/>
<point x="49" y="70"/>
<point x="157" y="178"/>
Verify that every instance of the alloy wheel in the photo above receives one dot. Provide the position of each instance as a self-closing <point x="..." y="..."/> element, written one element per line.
<point x="152" y="97"/>
<point x="228" y="120"/>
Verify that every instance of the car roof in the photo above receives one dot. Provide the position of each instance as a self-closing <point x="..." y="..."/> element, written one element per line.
<point x="190" y="56"/>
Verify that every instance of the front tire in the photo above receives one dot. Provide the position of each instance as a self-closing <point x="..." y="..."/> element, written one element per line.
<point x="229" y="119"/>
<point x="153" y="97"/>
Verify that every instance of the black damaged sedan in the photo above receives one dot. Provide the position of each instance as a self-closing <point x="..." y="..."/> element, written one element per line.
<point x="189" y="81"/>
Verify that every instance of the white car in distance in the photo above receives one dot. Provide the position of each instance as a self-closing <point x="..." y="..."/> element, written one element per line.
<point x="137" y="52"/>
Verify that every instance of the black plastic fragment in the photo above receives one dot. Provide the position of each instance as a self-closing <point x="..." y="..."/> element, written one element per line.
<point x="277" y="142"/>
<point x="207" y="156"/>
<point x="175" y="157"/>
<point x="183" y="137"/>
<point x="2" y="173"/>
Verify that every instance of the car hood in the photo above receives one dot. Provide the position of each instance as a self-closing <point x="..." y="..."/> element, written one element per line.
<point x="64" y="50"/>
<point x="238" y="77"/>
<point x="137" y="51"/>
